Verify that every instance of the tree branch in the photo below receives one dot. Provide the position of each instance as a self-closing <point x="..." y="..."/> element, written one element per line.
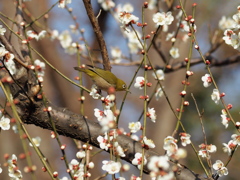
<point x="98" y="33"/>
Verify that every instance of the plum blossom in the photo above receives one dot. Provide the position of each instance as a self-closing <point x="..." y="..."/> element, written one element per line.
<point x="229" y="147"/>
<point x="224" y="118"/>
<point x="206" y="149"/>
<point x="152" y="4"/>
<point x="236" y="18"/>
<point x="163" y="18"/>
<point x="140" y="82"/>
<point x="236" y="139"/>
<point x="109" y="101"/>
<point x="174" y="52"/>
<point x="102" y="114"/>
<point x="98" y="114"/>
<point x="2" y="30"/>
<point x="185" y="139"/>
<point x="180" y="154"/>
<point x="8" y="60"/>
<point x="74" y="29"/>
<point x="94" y="92"/>
<point x="65" y="39"/>
<point x="3" y="51"/>
<point x="138" y="160"/>
<point x="159" y="93"/>
<point x="232" y="39"/>
<point x="77" y="169"/>
<point x="220" y="168"/>
<point x="170" y="36"/>
<point x="81" y="154"/>
<point x="227" y="36"/>
<point x="4" y="122"/>
<point x="134" y="137"/>
<point x="36" y="141"/>
<point x="72" y="49"/>
<point x="185" y="26"/>
<point x="134" y="126"/>
<point x="148" y="142"/>
<point x="107" y="121"/>
<point x="226" y="23"/>
<point x="40" y="67"/>
<point x="116" y="54"/>
<point x="106" y="4"/>
<point x="203" y="153"/>
<point x="159" y="74"/>
<point x="10" y="64"/>
<point x="207" y="80"/>
<point x="235" y="41"/>
<point x="211" y="148"/>
<point x="170" y="145"/>
<point x="158" y="162"/>
<point x="159" y="167"/>
<point x="126" y="18"/>
<point x="104" y="141"/>
<point x="127" y="7"/>
<point x="111" y="167"/>
<point x="152" y="114"/>
<point x="35" y="35"/>
<point x="133" y="43"/>
<point x="215" y="96"/>
<point x="62" y="3"/>
<point x="13" y="171"/>
<point x="54" y="34"/>
<point x="118" y="149"/>
<point x="68" y="45"/>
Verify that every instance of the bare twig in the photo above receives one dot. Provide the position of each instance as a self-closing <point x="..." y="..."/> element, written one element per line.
<point x="98" y="33"/>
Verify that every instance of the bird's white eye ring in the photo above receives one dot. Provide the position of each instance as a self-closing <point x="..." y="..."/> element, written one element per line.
<point x="124" y="85"/>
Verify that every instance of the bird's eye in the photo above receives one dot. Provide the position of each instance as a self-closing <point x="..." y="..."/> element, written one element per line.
<point x="124" y="86"/>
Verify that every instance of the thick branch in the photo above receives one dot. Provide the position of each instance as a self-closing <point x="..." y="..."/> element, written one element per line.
<point x="76" y="126"/>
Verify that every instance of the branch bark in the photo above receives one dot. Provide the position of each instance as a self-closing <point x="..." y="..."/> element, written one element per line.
<point x="98" y="33"/>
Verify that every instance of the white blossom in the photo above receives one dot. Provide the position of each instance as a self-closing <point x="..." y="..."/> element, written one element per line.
<point x="207" y="80"/>
<point x="106" y="4"/>
<point x="62" y="3"/>
<point x="4" y="123"/>
<point x="174" y="52"/>
<point x="140" y="82"/>
<point x="134" y="126"/>
<point x="152" y="114"/>
<point x="65" y="39"/>
<point x="160" y="75"/>
<point x="148" y="142"/>
<point x="138" y="160"/>
<point x="111" y="167"/>
<point x="163" y="18"/>
<point x="215" y="96"/>
<point x="2" y="30"/>
<point x="36" y="141"/>
<point x="220" y="168"/>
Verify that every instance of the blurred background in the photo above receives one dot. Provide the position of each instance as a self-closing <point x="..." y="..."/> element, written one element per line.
<point x="62" y="93"/>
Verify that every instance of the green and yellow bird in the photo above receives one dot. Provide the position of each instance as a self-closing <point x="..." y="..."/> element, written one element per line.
<point x="102" y="78"/>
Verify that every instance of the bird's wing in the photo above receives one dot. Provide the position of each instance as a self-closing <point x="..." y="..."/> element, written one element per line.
<point x="107" y="75"/>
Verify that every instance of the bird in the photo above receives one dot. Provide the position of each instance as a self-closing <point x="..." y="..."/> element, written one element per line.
<point x="103" y="79"/>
